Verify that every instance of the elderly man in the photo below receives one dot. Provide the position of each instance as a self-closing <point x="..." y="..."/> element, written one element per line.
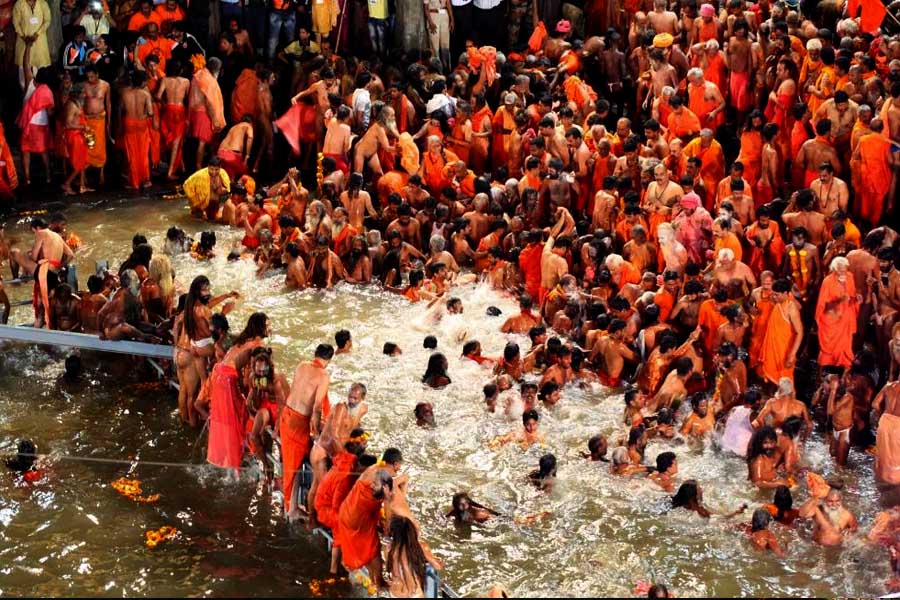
<point x="836" y="315"/>
<point x="830" y="518"/>
<point x="705" y="100"/>
<point x="729" y="269"/>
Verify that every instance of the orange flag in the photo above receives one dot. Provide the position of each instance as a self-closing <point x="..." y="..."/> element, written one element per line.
<point x="873" y="13"/>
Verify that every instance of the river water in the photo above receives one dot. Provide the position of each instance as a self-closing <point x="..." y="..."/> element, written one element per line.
<point x="72" y="534"/>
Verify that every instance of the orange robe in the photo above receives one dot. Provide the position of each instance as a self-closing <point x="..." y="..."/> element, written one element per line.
<point x="76" y="147"/>
<point x="502" y="120"/>
<point x="172" y="126"/>
<point x="838" y="325"/>
<point x="887" y="444"/>
<point x="751" y="157"/>
<point x="682" y="125"/>
<point x="730" y="241"/>
<point x="357" y="526"/>
<point x="480" y="148"/>
<point x="874" y="175"/>
<point x="768" y="258"/>
<point x="137" y="150"/>
<point x="758" y="328"/>
<point x="699" y="105"/>
<point x="334" y="487"/>
<point x="713" y="168"/>
<point x="777" y="339"/>
<point x="245" y="97"/>
<point x="723" y="189"/>
<point x="530" y="263"/>
<point x="827" y="72"/>
<point x="294" y="431"/>
<point x="97" y="153"/>
<point x="627" y="274"/>
<point x="9" y="180"/>
<point x="666" y="303"/>
<point x="709" y="31"/>
<point x="433" y="171"/>
<point x="709" y="318"/>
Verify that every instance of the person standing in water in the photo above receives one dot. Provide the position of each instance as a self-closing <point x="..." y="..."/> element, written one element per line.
<point x="301" y="419"/>
<point x="228" y="408"/>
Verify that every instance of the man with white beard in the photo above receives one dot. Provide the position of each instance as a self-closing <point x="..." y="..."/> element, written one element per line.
<point x="830" y="518"/>
<point x="318" y="223"/>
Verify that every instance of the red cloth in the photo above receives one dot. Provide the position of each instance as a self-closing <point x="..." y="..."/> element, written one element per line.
<point x="739" y="89"/>
<point x="334" y="487"/>
<point x="298" y="125"/>
<point x="357" y="526"/>
<point x="137" y="150"/>
<point x="294" y="431"/>
<point x="201" y="125"/>
<point x="226" y="418"/>
<point x="35" y="138"/>
<point x="341" y="162"/>
<point x="232" y="162"/>
<point x="245" y="97"/>
<point x="76" y="149"/>
<point x="172" y="127"/>
<point x="530" y="263"/>
<point x="873" y="13"/>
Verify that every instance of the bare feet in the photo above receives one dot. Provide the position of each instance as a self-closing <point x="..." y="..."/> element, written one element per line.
<point x="85" y="189"/>
<point x="68" y="191"/>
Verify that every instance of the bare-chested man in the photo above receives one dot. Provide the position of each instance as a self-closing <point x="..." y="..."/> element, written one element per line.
<point x="97" y="114"/>
<point x="327" y="84"/>
<point x="373" y="141"/>
<point x="357" y="202"/>
<point x="662" y="194"/>
<point x="75" y="141"/>
<point x="778" y="409"/>
<point x="295" y="274"/>
<point x="234" y="151"/>
<point x="813" y="153"/>
<point x="831" y="192"/>
<point x="301" y="420"/>
<point x="830" y="518"/>
<point x="739" y="59"/>
<point x="338" y="137"/>
<point x="119" y="319"/>
<point x="611" y="352"/>
<point x="802" y="213"/>
<point x="91" y="303"/>
<point x="65" y="314"/>
<point x="173" y="95"/>
<point x="47" y="257"/>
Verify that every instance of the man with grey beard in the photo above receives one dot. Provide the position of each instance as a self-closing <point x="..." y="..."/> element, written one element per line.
<point x="318" y="223"/>
<point x="830" y="518"/>
<point x="121" y="318"/>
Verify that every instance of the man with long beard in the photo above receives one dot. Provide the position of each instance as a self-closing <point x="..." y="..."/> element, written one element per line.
<point x="830" y="518"/>
<point x="318" y="223"/>
<point x="342" y="233"/>
<point x="358" y="263"/>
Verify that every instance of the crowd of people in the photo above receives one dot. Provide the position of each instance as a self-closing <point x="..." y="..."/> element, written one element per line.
<point x="691" y="203"/>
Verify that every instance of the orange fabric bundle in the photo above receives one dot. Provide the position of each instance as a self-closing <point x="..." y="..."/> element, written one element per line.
<point x="486" y="56"/>
<point x="409" y="153"/>
<point x="536" y="41"/>
<point x="579" y="92"/>
<point x="244" y="98"/>
<point x="816" y="484"/>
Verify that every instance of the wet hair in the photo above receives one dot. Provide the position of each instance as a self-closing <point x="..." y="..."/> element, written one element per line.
<point x="510" y="351"/>
<point x="546" y="467"/>
<point x="324" y="351"/>
<point x="419" y="410"/>
<point x="392" y="456"/>
<point x="469" y="347"/>
<point x="530" y="415"/>
<point x="658" y="590"/>
<point x="761" y="519"/>
<point x="596" y="443"/>
<point x="341" y="338"/>
<point x="437" y="367"/>
<point x="218" y="325"/>
<point x="430" y="342"/>
<point x="687" y="493"/>
<point x="792" y="426"/>
<point x="755" y="445"/>
<point x="490" y="390"/>
<point x="683" y="365"/>
<point x="783" y="500"/>
<point x="665" y="416"/>
<point x="26" y="456"/>
<point x="664" y="460"/>
<point x="256" y="328"/>
<point x="95" y="284"/>
<point x="193" y="298"/>
<point x="547" y="390"/>
<point x="389" y="348"/>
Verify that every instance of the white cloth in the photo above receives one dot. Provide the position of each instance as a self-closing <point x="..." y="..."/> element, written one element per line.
<point x="738" y="431"/>
<point x="362" y="103"/>
<point x="486" y="4"/>
<point x="460" y="2"/>
<point x="441" y="102"/>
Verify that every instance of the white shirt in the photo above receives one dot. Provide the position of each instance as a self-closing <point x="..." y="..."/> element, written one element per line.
<point x="441" y="102"/>
<point x="486" y="4"/>
<point x="460" y="2"/>
<point x="362" y="103"/>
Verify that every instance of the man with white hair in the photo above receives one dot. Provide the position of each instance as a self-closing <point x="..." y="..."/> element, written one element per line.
<point x="437" y="254"/>
<point x="705" y="100"/>
<point x="836" y="312"/>
<point x="729" y="269"/>
<point x="622" y="271"/>
<point x="830" y="518"/>
<point x="812" y="65"/>
<point x="782" y="407"/>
